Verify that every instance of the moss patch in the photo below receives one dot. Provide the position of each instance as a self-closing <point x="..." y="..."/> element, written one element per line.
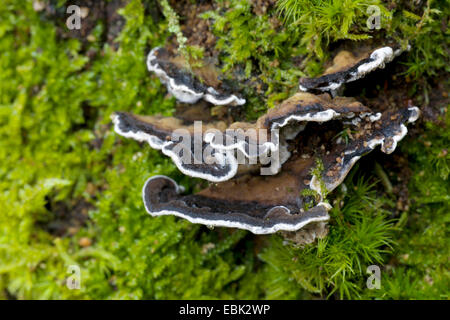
<point x="70" y="187"/>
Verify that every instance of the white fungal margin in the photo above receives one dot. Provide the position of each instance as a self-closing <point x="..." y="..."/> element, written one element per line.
<point x="159" y="144"/>
<point x="415" y="114"/>
<point x="377" y="59"/>
<point x="386" y="146"/>
<point x="233" y="224"/>
<point x="186" y="94"/>
<point x="264" y="148"/>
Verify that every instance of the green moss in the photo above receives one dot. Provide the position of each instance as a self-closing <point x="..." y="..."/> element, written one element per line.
<point x="420" y="267"/>
<point x="424" y="30"/>
<point x="360" y="235"/>
<point x="323" y="21"/>
<point x="190" y="53"/>
<point x="60" y="159"/>
<point x="260" y="46"/>
<point x="53" y="153"/>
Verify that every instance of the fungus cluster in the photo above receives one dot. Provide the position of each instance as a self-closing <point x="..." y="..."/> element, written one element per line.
<point x="272" y="174"/>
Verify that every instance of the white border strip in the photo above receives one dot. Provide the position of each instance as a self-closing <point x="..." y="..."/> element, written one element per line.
<point x="184" y="93"/>
<point x="231" y="224"/>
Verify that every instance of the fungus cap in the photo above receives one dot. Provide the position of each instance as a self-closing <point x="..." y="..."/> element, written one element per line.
<point x="189" y="87"/>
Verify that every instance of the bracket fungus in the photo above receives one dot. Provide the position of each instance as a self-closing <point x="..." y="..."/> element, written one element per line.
<point x="214" y="151"/>
<point x="266" y="204"/>
<point x="349" y="66"/>
<point x="186" y="86"/>
<point x="272" y="174"/>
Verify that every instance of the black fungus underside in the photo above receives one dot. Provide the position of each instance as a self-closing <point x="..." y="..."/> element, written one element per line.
<point x="339" y="77"/>
<point x="161" y="196"/>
